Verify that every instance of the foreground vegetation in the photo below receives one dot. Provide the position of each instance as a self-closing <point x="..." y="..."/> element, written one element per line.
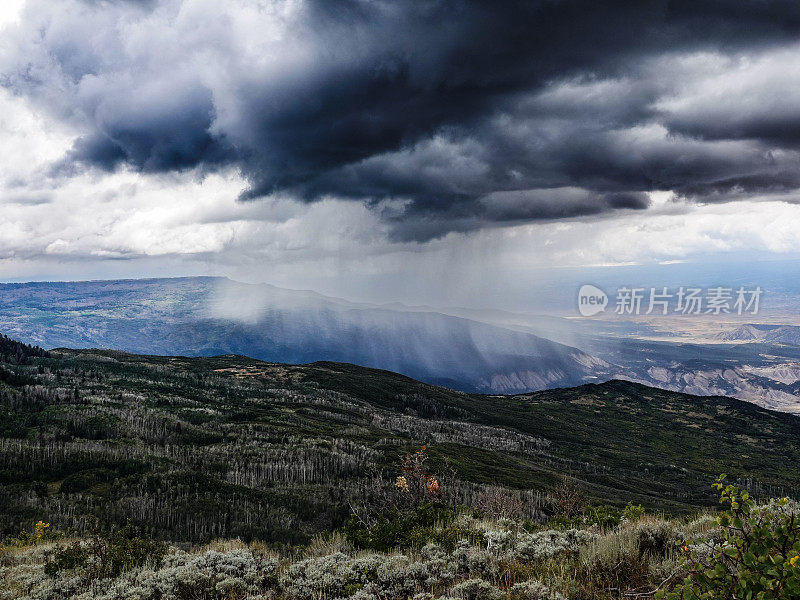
<point x="158" y="478"/>
<point x="747" y="551"/>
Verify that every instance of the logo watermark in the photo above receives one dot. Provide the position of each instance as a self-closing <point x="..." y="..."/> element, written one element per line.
<point x="591" y="300"/>
<point x="676" y="301"/>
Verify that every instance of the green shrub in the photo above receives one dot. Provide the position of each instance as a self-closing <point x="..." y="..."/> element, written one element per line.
<point x="399" y="529"/>
<point x="67" y="558"/>
<point x="452" y="533"/>
<point x="657" y="538"/>
<point x="109" y="555"/>
<point x="757" y="557"/>
<point x="603" y="516"/>
<point x="124" y="550"/>
<point x="632" y="512"/>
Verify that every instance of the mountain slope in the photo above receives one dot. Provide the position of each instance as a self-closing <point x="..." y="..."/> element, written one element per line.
<point x="208" y="316"/>
<point x="775" y="334"/>
<point x="196" y="448"/>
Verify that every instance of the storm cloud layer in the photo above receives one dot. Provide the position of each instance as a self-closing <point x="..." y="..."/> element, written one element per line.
<point x="442" y="115"/>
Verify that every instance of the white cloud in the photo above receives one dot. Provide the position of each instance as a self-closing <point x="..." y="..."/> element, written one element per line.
<point x="10" y="11"/>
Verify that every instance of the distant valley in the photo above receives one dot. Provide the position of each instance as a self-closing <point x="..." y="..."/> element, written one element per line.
<point x="465" y="349"/>
<point x="212" y="316"/>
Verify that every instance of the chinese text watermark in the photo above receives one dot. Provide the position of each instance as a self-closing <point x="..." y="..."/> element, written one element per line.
<point x="717" y="300"/>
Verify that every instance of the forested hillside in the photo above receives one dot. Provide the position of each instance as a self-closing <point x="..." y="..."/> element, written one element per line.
<point x="14" y="352"/>
<point x="195" y="449"/>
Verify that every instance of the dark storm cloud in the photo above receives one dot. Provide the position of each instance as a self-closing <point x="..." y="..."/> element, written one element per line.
<point x="470" y="113"/>
<point x="174" y="136"/>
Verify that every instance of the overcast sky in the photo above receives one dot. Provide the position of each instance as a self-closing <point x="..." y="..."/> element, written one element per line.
<point x="426" y="151"/>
